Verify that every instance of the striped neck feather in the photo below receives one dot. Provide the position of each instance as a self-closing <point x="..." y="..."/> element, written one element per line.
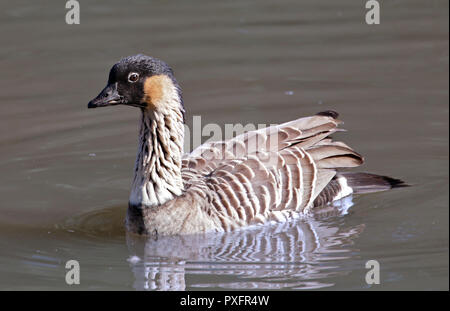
<point x="157" y="175"/>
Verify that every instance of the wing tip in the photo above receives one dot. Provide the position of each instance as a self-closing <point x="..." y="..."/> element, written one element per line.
<point x="367" y="182"/>
<point x="395" y="182"/>
<point x="328" y="113"/>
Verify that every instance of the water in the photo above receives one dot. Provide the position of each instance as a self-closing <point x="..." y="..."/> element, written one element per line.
<point x="66" y="171"/>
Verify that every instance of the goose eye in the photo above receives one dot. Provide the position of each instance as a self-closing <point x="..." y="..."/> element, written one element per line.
<point x="133" y="77"/>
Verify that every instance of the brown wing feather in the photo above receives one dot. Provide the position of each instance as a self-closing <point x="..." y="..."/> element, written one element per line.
<point x="266" y="174"/>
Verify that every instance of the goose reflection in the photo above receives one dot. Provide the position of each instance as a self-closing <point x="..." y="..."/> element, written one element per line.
<point x="295" y="254"/>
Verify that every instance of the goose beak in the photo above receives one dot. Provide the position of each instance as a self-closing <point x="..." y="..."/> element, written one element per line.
<point x="107" y="97"/>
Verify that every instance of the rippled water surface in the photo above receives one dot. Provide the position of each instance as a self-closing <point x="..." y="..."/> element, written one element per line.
<point x="66" y="171"/>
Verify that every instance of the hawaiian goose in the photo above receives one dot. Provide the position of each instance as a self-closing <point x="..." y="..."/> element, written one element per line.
<point x="271" y="174"/>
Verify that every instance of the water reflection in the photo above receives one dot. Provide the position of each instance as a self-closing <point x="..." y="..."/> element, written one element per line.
<point x="296" y="254"/>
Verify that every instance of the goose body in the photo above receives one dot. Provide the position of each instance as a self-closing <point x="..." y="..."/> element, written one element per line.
<point x="272" y="174"/>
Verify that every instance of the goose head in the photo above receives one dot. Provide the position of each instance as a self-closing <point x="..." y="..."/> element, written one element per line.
<point x="141" y="81"/>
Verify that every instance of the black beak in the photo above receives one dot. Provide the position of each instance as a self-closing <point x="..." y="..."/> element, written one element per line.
<point x="107" y="97"/>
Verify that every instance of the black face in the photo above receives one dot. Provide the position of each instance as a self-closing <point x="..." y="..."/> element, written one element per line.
<point x="126" y="81"/>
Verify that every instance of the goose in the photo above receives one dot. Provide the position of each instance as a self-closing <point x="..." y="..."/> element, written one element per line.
<point x="268" y="175"/>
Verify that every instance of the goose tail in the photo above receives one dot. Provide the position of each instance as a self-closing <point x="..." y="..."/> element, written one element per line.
<point x="368" y="183"/>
